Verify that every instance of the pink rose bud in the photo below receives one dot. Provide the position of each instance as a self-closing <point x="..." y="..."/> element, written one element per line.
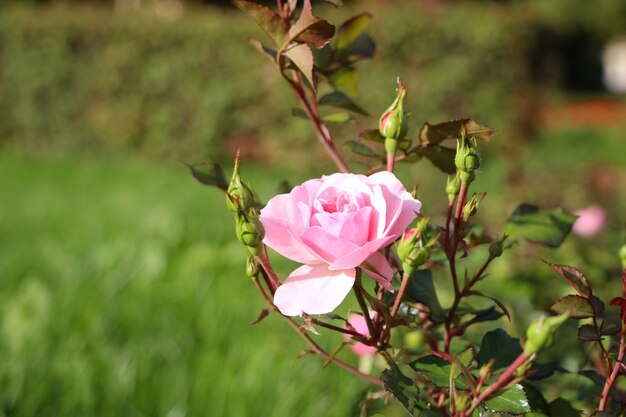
<point x="358" y="324"/>
<point x="333" y="225"/>
<point x="591" y="221"/>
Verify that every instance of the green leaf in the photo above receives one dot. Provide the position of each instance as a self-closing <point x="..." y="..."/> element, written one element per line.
<point x="352" y="41"/>
<point x="302" y="57"/>
<point x="265" y="50"/>
<point x="536" y="401"/>
<point x="607" y="328"/>
<point x="351" y="30"/>
<point x="209" y="174"/>
<point x="345" y="80"/>
<point x="488" y="314"/>
<point x="310" y="29"/>
<point x="421" y="289"/>
<point x="548" y="227"/>
<point x="359" y="149"/>
<point x="574" y="277"/>
<point x="588" y="333"/>
<point x="372" y="135"/>
<point x="502" y="307"/>
<point x="434" y="134"/>
<point x="265" y="17"/>
<point x="401" y="387"/>
<point x="299" y="113"/>
<point x="512" y="401"/>
<point x="342" y="101"/>
<point x="437" y="370"/>
<point x="500" y="347"/>
<point x="338" y="118"/>
<point x="562" y="408"/>
<point x="440" y="156"/>
<point x="579" y="307"/>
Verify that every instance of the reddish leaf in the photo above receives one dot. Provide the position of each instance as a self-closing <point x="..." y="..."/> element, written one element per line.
<point x="266" y="18"/>
<point x="302" y="58"/>
<point x="579" y="307"/>
<point x="311" y="29"/>
<point x="351" y="29"/>
<point x="574" y="277"/>
<point x="435" y="134"/>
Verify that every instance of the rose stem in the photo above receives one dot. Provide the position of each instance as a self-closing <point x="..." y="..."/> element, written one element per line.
<point x="358" y="292"/>
<point x="504" y="378"/>
<point x="396" y="306"/>
<point x="616" y="368"/>
<point x="391" y="159"/>
<point x="323" y="134"/>
<point x="315" y="347"/>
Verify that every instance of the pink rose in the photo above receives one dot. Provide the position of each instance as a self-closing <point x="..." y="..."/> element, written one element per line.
<point x="591" y="220"/>
<point x="358" y="323"/>
<point x="333" y="225"/>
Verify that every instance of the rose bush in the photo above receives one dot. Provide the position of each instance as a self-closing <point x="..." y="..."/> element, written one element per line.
<point x="333" y="225"/>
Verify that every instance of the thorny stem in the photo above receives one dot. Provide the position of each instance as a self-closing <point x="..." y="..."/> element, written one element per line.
<point x="323" y="134"/>
<point x="317" y="349"/>
<point x="272" y="280"/>
<point x="451" y="244"/>
<point x="358" y="292"/>
<point x="334" y="328"/>
<point x="610" y="381"/>
<point x="506" y="377"/>
<point x="605" y="354"/>
<point x="395" y="308"/>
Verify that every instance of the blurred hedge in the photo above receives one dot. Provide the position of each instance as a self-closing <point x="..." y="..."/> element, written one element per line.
<point x="91" y="79"/>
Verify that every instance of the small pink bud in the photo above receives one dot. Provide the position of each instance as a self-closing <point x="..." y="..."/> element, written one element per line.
<point x="591" y="221"/>
<point x="358" y="324"/>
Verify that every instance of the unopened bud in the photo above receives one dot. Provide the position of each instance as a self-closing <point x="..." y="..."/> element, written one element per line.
<point x="393" y="124"/>
<point x="497" y="247"/>
<point x="467" y="159"/>
<point x="239" y="195"/>
<point x="453" y="186"/>
<point x="540" y="333"/>
<point x="411" y="250"/>
<point x="485" y="372"/>
<point x="471" y="207"/>
<point x="250" y="231"/>
<point x="462" y="401"/>
<point x="252" y="266"/>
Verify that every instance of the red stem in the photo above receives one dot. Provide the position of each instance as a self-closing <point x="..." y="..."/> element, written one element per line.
<point x="323" y="134"/>
<point x="610" y="381"/>
<point x="396" y="307"/>
<point x="391" y="160"/>
<point x="507" y="376"/>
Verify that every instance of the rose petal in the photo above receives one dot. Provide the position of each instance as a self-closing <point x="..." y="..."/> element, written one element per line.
<point x="409" y="208"/>
<point x="313" y="289"/>
<point x="278" y="235"/>
<point x="358" y="256"/>
<point x="327" y="246"/>
<point x="378" y="268"/>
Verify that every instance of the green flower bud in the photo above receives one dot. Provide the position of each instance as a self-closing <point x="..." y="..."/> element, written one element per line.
<point x="393" y="124"/>
<point x="540" y="333"/>
<point x="252" y="266"/>
<point x="453" y="186"/>
<point x="414" y="340"/>
<point x="471" y="207"/>
<point x="467" y="159"/>
<point x="462" y="401"/>
<point x="497" y="247"/>
<point x="250" y="231"/>
<point x="411" y="250"/>
<point x="239" y="195"/>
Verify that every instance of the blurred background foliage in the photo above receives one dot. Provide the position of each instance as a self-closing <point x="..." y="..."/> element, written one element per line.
<point x="122" y="288"/>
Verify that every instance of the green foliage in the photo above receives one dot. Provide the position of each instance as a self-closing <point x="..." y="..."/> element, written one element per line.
<point x="124" y="293"/>
<point x="548" y="227"/>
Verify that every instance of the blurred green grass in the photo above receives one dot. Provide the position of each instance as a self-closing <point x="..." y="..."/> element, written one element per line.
<point x="123" y="292"/>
